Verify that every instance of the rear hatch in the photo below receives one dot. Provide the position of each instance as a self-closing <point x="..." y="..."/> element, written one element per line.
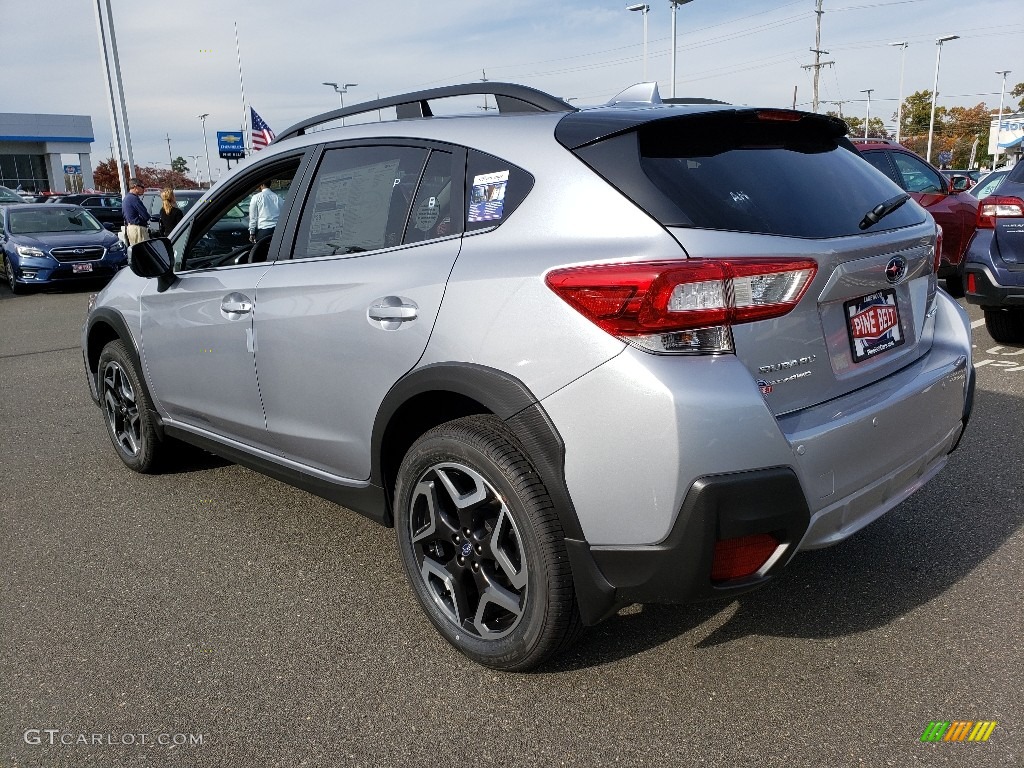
<point x="743" y="184"/>
<point x="1003" y="212"/>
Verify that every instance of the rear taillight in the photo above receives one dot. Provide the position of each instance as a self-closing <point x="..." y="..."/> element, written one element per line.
<point x="683" y="306"/>
<point x="992" y="208"/>
<point x="937" y="256"/>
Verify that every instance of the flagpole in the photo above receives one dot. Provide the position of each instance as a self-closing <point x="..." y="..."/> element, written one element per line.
<point x="246" y="128"/>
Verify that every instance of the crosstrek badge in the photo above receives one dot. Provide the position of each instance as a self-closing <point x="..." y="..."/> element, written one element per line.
<point x="873" y="323"/>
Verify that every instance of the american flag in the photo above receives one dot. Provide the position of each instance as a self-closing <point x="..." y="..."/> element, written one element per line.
<point x="261" y="133"/>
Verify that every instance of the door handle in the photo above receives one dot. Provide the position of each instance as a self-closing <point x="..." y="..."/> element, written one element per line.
<point x="401" y="313"/>
<point x="236" y="304"/>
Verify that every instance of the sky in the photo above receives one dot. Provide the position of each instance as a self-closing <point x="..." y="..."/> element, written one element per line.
<point x="178" y="60"/>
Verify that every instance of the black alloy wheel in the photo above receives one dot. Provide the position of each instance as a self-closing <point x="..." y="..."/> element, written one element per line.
<point x="482" y="546"/>
<point x="127" y="411"/>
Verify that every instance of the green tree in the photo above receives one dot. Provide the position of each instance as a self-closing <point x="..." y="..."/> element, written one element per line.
<point x="917" y="110"/>
<point x="178" y="165"/>
<point x="1018" y="93"/>
<point x="876" y="127"/>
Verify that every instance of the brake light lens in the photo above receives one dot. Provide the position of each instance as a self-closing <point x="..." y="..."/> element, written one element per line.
<point x="736" y="558"/>
<point x="992" y="208"/>
<point x="683" y="306"/>
<point x="937" y="256"/>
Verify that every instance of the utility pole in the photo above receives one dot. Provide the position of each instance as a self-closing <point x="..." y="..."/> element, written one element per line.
<point x="169" y="155"/>
<point x="484" y="79"/>
<point x="840" y="105"/>
<point x="817" y="51"/>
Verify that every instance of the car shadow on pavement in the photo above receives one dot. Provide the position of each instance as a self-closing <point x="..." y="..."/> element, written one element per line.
<point x="911" y="555"/>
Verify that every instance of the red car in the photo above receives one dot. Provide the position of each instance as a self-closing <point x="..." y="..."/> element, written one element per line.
<point x="953" y="208"/>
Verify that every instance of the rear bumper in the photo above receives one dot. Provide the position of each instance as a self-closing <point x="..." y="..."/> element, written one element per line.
<point x="996" y="283"/>
<point x="823" y="473"/>
<point x="993" y="288"/>
<point x="678" y="570"/>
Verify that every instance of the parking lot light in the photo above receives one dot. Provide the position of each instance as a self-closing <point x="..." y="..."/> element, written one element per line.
<point x="935" y="90"/>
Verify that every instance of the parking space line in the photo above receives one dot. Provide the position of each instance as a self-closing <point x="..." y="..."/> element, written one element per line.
<point x="978" y="323"/>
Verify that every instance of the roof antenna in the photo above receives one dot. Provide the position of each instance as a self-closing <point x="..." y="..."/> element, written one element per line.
<point x="641" y="93"/>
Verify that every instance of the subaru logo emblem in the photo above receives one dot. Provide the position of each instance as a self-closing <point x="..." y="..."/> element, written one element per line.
<point x="895" y="269"/>
<point x="79" y="250"/>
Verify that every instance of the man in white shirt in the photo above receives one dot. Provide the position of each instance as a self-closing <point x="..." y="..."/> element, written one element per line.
<point x="264" y="208"/>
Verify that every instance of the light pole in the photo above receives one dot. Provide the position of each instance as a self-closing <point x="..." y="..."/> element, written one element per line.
<point x="206" y="146"/>
<point x="867" y="116"/>
<point x="342" y="90"/>
<point x="644" y="9"/>
<point x="675" y="4"/>
<point x="195" y="164"/>
<point x="899" y="109"/>
<point x="935" y="90"/>
<point x="999" y="124"/>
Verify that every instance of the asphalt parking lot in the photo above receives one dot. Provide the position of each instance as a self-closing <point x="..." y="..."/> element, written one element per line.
<point x="216" y="617"/>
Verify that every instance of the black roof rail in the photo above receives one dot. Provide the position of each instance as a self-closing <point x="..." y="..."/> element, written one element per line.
<point x="509" y="97"/>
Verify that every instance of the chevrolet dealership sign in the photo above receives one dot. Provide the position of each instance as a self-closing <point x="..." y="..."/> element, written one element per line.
<point x="231" y="145"/>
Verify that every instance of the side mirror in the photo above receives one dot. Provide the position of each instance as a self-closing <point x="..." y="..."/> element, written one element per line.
<point x="959" y="183"/>
<point x="152" y="258"/>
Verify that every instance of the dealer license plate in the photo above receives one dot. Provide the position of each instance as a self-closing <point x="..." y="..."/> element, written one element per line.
<point x="873" y="323"/>
<point x="81" y="268"/>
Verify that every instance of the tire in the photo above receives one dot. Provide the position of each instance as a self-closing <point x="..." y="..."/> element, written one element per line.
<point x="127" y="411"/>
<point x="1005" y="325"/>
<point x="503" y="595"/>
<point x="16" y="288"/>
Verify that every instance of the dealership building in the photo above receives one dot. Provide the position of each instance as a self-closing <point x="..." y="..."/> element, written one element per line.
<point x="31" y="147"/>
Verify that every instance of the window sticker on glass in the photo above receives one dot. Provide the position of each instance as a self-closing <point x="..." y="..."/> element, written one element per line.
<point x="487" y="198"/>
<point x="351" y="205"/>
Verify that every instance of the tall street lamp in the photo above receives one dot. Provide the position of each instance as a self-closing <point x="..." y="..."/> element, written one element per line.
<point x="195" y="165"/>
<point x="899" y="109"/>
<point x="999" y="124"/>
<point x="675" y="4"/>
<point x="644" y="9"/>
<point x="206" y="146"/>
<point x="342" y="90"/>
<point x="935" y="89"/>
<point x="867" y="116"/>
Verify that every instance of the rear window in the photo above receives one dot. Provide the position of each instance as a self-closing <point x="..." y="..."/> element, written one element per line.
<point x="732" y="171"/>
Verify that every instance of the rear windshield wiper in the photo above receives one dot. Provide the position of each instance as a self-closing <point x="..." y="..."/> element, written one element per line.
<point x="882" y="210"/>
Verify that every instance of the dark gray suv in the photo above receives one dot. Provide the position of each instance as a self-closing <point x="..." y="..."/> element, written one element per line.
<point x="643" y="352"/>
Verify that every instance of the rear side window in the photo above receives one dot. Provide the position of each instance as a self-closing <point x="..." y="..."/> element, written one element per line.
<point x="735" y="172"/>
<point x="494" y="189"/>
<point x="881" y="161"/>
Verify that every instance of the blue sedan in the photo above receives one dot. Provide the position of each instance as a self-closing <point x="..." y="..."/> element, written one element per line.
<point x="56" y="245"/>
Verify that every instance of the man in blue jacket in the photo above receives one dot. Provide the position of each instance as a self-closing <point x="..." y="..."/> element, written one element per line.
<point x="135" y="214"/>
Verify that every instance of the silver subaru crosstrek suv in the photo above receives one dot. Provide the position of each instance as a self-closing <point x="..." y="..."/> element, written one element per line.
<point x="642" y="352"/>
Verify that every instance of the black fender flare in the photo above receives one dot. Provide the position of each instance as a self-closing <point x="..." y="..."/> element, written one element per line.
<point x="506" y="397"/>
<point x="115" y="320"/>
